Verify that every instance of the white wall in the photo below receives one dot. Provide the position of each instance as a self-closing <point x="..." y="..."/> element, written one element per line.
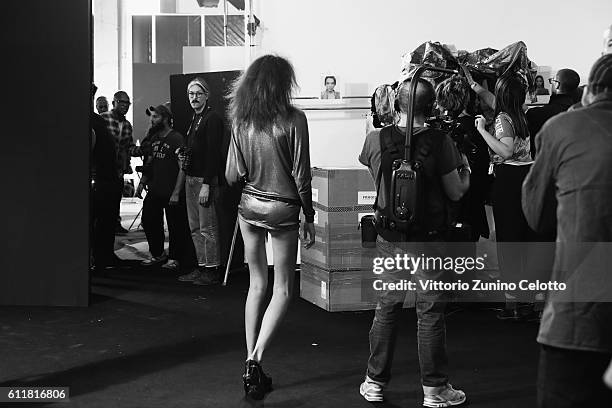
<point x="362" y="41"/>
<point x="106" y="48"/>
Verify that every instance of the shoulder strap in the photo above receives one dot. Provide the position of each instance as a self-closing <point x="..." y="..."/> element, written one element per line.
<point x="386" y="145"/>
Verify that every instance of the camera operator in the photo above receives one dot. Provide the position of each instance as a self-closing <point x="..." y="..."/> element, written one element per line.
<point x="446" y="178"/>
<point x="456" y="102"/>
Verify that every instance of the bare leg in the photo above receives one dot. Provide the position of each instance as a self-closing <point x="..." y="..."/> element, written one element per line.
<point x="284" y="246"/>
<point x="255" y="251"/>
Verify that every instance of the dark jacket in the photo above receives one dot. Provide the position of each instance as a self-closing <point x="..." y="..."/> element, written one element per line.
<point x="536" y="117"/>
<point x="204" y="140"/>
<point x="104" y="155"/>
<point x="571" y="179"/>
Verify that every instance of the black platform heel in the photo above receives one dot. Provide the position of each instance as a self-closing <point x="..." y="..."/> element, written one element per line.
<point x="256" y="383"/>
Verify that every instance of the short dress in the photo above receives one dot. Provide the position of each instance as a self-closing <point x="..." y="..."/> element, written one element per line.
<point x="275" y="169"/>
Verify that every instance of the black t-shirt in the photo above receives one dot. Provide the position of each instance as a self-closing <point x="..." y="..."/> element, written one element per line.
<point x="163" y="168"/>
<point x="443" y="158"/>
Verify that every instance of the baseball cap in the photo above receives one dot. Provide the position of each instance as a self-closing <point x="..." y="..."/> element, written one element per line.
<point x="161" y="109"/>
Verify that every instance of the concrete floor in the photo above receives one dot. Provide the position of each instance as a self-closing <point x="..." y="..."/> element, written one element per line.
<point x="150" y="341"/>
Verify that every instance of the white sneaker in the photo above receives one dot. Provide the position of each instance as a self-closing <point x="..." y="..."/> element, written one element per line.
<point x="371" y="391"/>
<point x="449" y="397"/>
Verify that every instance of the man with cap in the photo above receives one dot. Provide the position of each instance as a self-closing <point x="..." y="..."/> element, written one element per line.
<point x="569" y="187"/>
<point x="201" y="166"/>
<point x="564" y="88"/>
<point x="165" y="181"/>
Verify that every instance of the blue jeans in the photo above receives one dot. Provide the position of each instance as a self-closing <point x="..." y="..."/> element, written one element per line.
<point x="203" y="223"/>
<point x="431" y="327"/>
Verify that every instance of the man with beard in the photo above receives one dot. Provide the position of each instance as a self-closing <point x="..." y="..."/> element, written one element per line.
<point x="165" y="182"/>
<point x="201" y="166"/>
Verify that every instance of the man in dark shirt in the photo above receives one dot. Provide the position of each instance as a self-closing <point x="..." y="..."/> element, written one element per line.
<point x="165" y="182"/>
<point x="564" y="88"/>
<point x="570" y="186"/>
<point x="442" y="181"/>
<point x="106" y="187"/>
<point x="201" y="166"/>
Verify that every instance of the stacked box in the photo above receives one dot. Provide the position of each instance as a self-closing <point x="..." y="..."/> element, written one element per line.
<point x="332" y="272"/>
<point x="342" y="187"/>
<point x="337" y="291"/>
<point x="340" y="197"/>
<point x="337" y="241"/>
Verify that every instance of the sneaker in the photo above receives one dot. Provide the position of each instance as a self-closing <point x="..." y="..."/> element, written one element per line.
<point x="207" y="278"/>
<point x="256" y="383"/>
<point x="191" y="276"/>
<point x="449" y="397"/>
<point x="171" y="265"/>
<point x="509" y="314"/>
<point x="371" y="391"/>
<point x="154" y="260"/>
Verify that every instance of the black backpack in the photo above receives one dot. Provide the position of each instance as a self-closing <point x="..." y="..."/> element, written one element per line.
<point x="402" y="219"/>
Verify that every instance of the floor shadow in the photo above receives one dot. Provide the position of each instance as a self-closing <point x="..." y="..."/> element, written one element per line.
<point x="102" y="374"/>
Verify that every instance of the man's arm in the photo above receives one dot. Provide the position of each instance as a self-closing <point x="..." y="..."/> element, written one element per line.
<point x="214" y="137"/>
<point x="453" y="168"/>
<point x="457" y="182"/>
<point x="176" y="145"/>
<point x="538" y="196"/>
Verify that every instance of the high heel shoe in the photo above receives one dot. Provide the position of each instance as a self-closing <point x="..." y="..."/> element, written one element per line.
<point x="256" y="383"/>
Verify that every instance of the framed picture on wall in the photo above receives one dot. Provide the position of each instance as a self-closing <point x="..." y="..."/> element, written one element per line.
<point x="542" y="91"/>
<point x="330" y="89"/>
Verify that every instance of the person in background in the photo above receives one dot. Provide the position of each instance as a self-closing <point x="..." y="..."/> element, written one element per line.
<point x="201" y="166"/>
<point x="564" y="88"/>
<point x="101" y="104"/>
<point x="121" y="130"/>
<point x="569" y="188"/>
<point x="106" y="191"/>
<point x="165" y="182"/>
<point x="540" y="89"/>
<point x="456" y="100"/>
<point x="510" y="148"/>
<point x="329" y="92"/>
<point x="269" y="152"/>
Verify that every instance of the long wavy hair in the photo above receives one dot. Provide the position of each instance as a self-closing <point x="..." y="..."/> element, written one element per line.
<point x="510" y="94"/>
<point x="260" y="98"/>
